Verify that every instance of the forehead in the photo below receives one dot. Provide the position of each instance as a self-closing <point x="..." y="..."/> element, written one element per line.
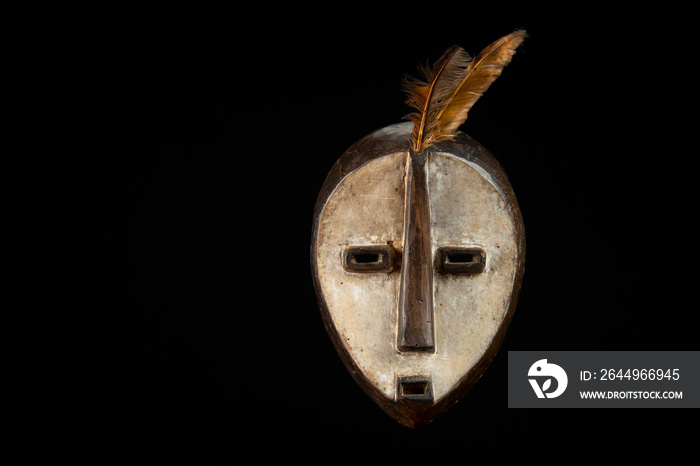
<point x="466" y="206"/>
<point x="466" y="209"/>
<point x="368" y="205"/>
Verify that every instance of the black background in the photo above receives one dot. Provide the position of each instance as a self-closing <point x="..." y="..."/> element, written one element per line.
<point x="158" y="186"/>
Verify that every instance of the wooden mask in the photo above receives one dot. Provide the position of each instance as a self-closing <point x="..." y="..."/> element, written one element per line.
<point x="418" y="246"/>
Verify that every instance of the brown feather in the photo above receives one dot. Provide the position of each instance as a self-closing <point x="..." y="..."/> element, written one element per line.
<point x="452" y="87"/>
<point x="428" y="96"/>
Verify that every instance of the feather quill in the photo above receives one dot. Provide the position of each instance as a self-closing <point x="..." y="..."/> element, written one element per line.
<point x="452" y="86"/>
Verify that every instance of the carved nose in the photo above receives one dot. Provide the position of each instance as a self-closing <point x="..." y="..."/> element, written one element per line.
<point x="415" y="332"/>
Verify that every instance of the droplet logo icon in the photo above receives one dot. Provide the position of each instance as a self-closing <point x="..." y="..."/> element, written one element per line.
<point x="546" y="372"/>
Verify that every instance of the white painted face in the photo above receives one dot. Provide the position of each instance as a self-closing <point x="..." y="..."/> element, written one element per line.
<point x="468" y="211"/>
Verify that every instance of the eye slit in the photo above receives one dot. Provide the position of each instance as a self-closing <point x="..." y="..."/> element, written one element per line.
<point x="459" y="257"/>
<point x="366" y="258"/>
<point x="370" y="259"/>
<point x="460" y="261"/>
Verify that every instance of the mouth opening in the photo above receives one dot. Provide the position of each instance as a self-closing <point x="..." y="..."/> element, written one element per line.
<point x="415" y="388"/>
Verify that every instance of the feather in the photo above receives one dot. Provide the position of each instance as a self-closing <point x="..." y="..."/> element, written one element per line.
<point x="428" y="96"/>
<point x="452" y="87"/>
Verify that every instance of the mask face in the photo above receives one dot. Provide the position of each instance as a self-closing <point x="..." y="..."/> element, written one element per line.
<point x="417" y="261"/>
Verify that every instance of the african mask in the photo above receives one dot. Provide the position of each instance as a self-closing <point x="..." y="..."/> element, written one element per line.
<point x="418" y="246"/>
